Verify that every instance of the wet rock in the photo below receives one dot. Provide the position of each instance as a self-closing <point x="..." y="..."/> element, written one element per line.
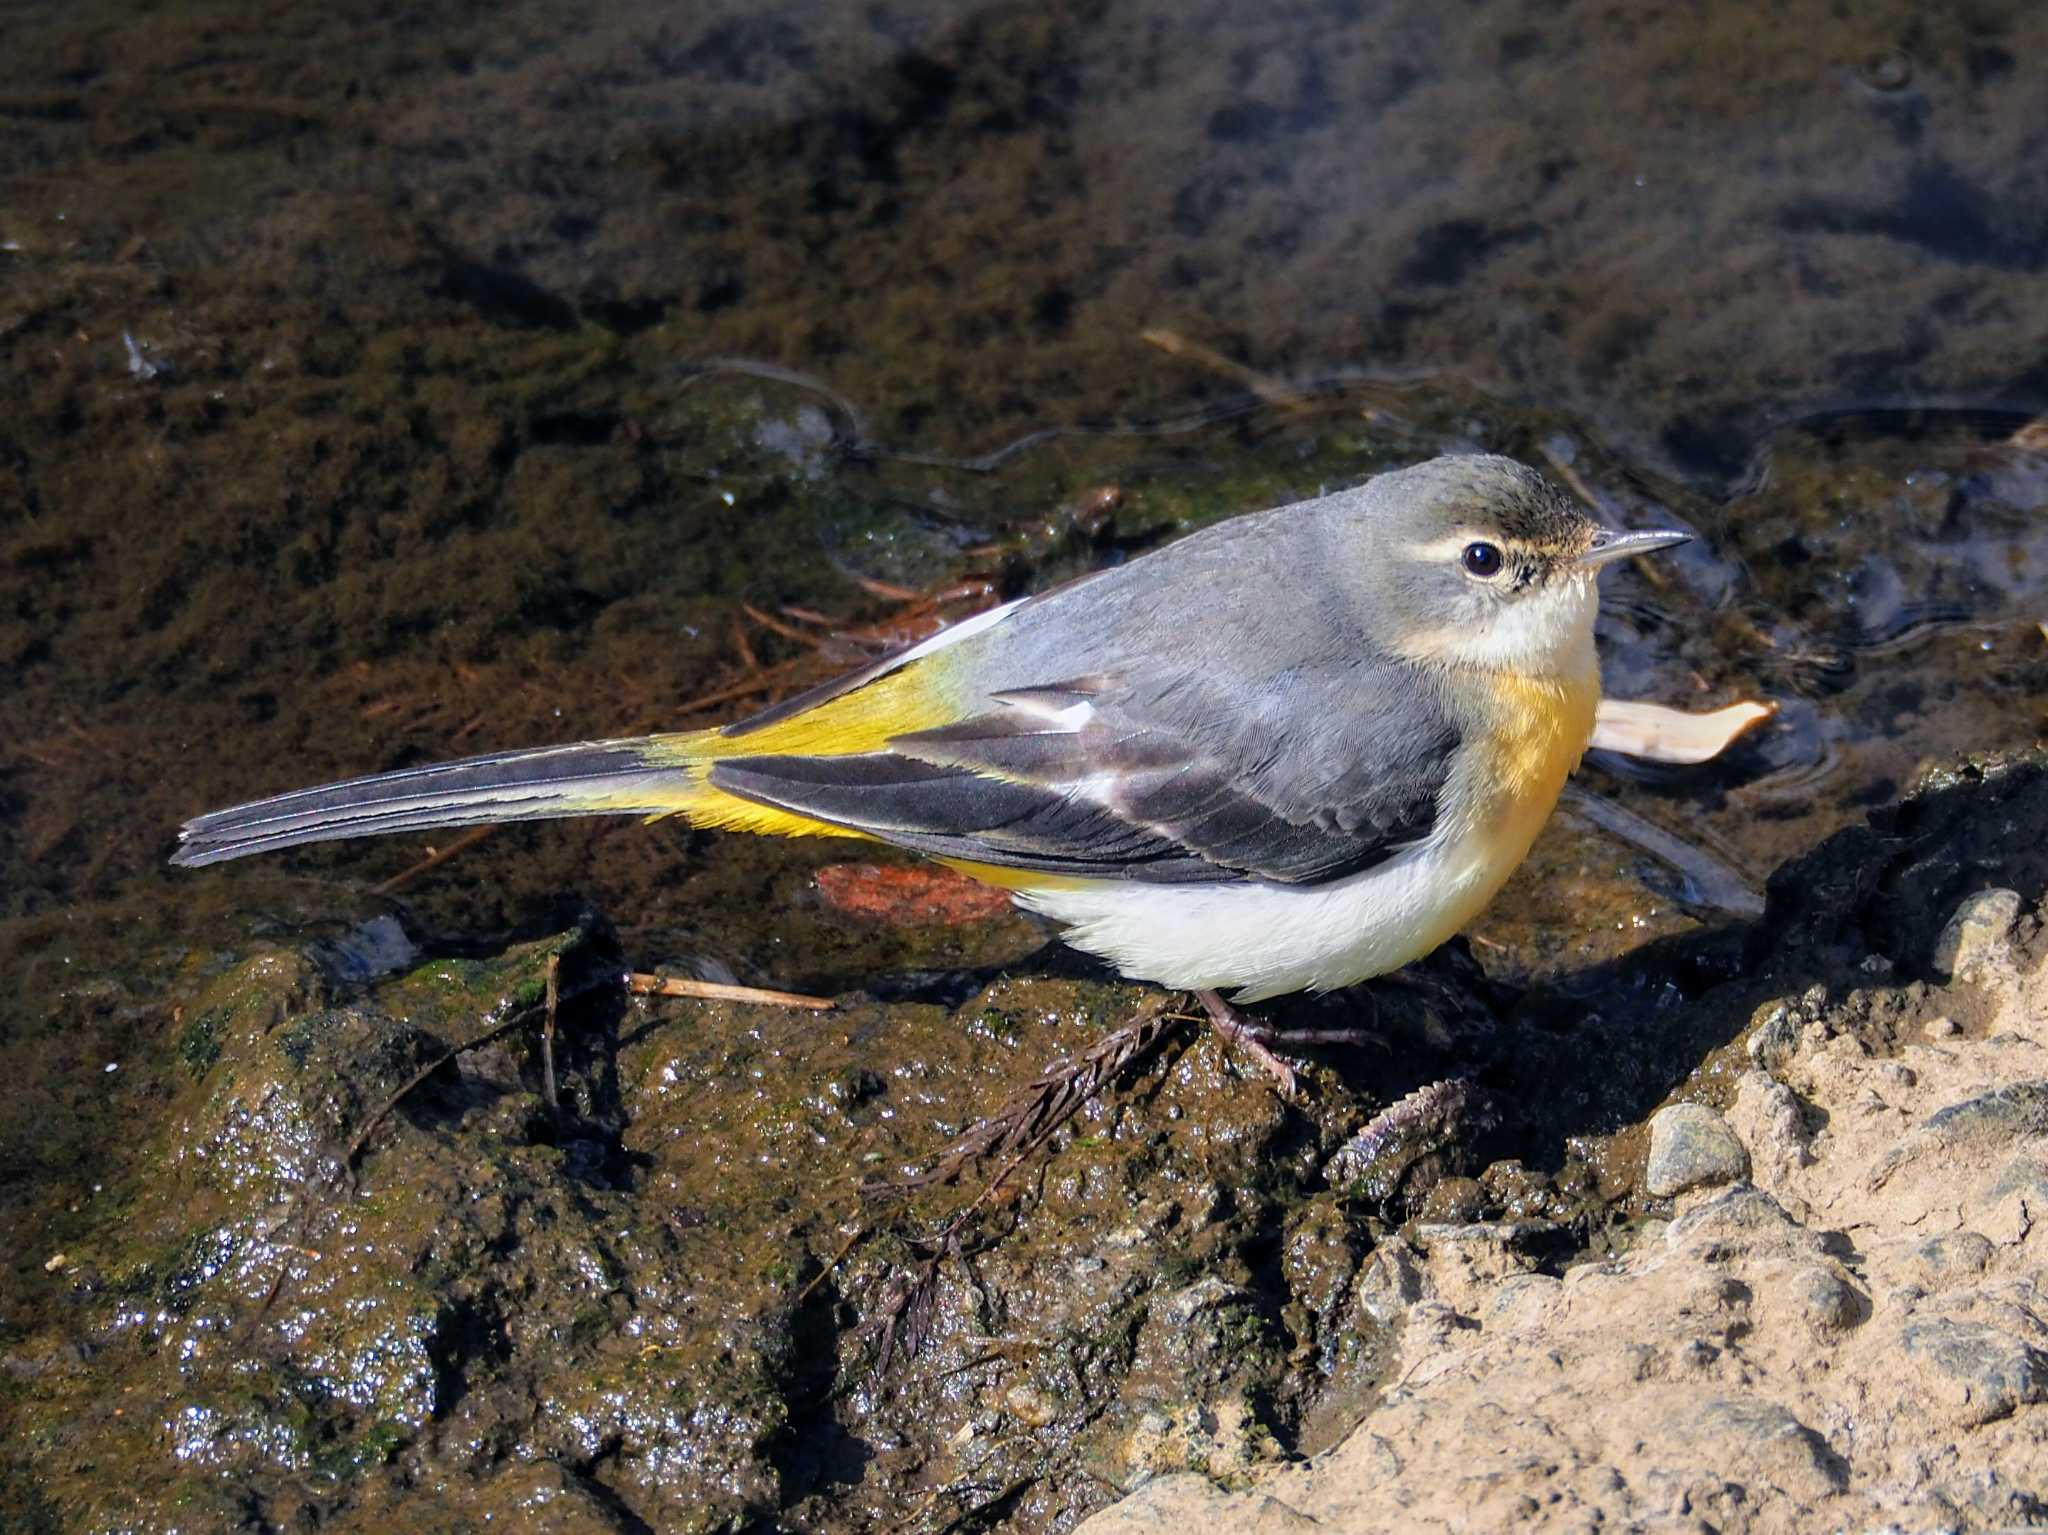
<point x="1978" y="934"/>
<point x="1692" y="1147"/>
<point x="340" y="1245"/>
<point x="1222" y="1442"/>
<point x="1774" y="1035"/>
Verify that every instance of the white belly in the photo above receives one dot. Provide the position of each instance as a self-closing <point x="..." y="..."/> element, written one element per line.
<point x="1268" y="939"/>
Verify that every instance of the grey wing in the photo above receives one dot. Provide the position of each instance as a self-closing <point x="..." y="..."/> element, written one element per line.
<point x="1323" y="775"/>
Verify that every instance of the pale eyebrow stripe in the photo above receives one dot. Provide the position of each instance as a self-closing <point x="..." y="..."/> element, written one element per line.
<point x="1454" y="543"/>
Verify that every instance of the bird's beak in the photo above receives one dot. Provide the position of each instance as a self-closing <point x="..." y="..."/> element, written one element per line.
<point x="1610" y="544"/>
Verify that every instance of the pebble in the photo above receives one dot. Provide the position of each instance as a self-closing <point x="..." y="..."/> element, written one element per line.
<point x="1031" y="1405"/>
<point x="1692" y="1147"/>
<point x="1391" y="1281"/>
<point x="1826" y="1300"/>
<point x="1209" y="1294"/>
<point x="1774" y="1035"/>
<point x="1977" y="934"/>
<point x="1951" y="1256"/>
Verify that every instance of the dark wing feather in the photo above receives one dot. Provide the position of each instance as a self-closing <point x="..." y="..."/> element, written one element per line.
<point x="1326" y="774"/>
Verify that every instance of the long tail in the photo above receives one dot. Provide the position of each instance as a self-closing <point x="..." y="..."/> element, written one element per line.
<point x="655" y="775"/>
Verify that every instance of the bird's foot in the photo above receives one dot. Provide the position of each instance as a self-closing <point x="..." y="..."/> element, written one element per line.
<point x="1257" y="1039"/>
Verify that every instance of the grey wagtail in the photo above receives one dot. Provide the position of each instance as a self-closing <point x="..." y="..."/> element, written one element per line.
<point x="1290" y="752"/>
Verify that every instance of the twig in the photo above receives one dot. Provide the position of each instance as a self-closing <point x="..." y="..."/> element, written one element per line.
<point x="1264" y="385"/>
<point x="647" y="985"/>
<point x="889" y="589"/>
<point x="760" y="682"/>
<point x="439" y="855"/>
<point x="837" y="1258"/>
<point x="776" y="626"/>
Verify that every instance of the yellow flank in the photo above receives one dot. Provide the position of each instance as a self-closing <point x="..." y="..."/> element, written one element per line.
<point x="914" y="698"/>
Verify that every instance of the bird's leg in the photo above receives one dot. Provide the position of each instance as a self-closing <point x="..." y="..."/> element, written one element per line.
<point x="1250" y="1037"/>
<point x="1243" y="1026"/>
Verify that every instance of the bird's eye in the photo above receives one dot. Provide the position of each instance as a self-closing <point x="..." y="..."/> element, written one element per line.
<point x="1481" y="560"/>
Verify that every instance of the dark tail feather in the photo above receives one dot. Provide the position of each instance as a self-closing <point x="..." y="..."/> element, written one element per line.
<point x="592" y="778"/>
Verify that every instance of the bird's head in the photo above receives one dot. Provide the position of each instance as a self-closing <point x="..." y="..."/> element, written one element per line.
<point x="1482" y="562"/>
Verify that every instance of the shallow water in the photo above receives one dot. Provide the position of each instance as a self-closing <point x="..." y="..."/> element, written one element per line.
<point x="360" y="407"/>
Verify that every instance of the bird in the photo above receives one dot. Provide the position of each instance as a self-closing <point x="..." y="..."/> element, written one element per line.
<point x="1293" y="751"/>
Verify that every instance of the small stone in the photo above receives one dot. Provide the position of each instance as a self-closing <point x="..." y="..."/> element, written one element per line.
<point x="1943" y="1028"/>
<point x="1977" y="934"/>
<point x="1998" y="1503"/>
<point x="1033" y="1406"/>
<point x="2007" y="1206"/>
<point x="1526" y="1301"/>
<point x="1692" y="1147"/>
<point x="2015" y="1112"/>
<point x="1208" y="1294"/>
<point x="1774" y="1035"/>
<point x="1747" y="1434"/>
<point x="1391" y="1281"/>
<point x="1828" y="1302"/>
